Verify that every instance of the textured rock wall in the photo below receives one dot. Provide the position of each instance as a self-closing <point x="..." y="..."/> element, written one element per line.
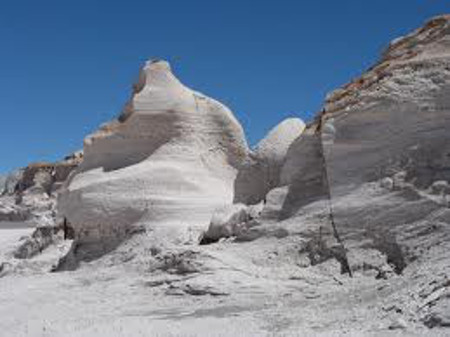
<point x="398" y="120"/>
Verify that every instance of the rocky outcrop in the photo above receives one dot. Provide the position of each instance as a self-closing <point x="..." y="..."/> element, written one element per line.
<point x="231" y="220"/>
<point x="392" y="121"/>
<point x="29" y="194"/>
<point x="11" y="212"/>
<point x="391" y="126"/>
<point x="43" y="177"/>
<point x="396" y="116"/>
<point x="10" y="181"/>
<point x="262" y="171"/>
<point x="168" y="162"/>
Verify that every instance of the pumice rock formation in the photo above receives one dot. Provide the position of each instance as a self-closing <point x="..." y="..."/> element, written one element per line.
<point x="341" y="227"/>
<point x="168" y="162"/>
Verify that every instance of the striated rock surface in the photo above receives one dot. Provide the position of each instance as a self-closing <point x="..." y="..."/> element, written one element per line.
<point x="391" y="121"/>
<point x="396" y="116"/>
<point x="262" y="171"/>
<point x="168" y="162"/>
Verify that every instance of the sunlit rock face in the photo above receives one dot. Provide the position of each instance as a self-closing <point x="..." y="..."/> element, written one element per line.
<point x="392" y="121"/>
<point x="262" y="171"/>
<point x="380" y="151"/>
<point x="386" y="135"/>
<point x="396" y="116"/>
<point x="168" y="161"/>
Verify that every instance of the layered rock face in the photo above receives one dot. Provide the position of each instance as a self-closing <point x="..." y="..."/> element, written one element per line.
<point x="392" y="121"/>
<point x="392" y="125"/>
<point x="396" y="116"/>
<point x="168" y="162"/>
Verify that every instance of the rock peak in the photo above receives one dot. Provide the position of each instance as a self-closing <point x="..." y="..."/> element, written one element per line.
<point x="422" y="53"/>
<point x="417" y="42"/>
<point x="157" y="64"/>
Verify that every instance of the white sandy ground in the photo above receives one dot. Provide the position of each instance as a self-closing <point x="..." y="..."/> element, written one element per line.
<point x="258" y="288"/>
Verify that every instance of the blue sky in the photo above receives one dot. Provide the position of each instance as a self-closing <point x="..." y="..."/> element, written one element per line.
<point x="67" y="66"/>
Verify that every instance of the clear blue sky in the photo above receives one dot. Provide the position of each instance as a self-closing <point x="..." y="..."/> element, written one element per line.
<point x="67" y="66"/>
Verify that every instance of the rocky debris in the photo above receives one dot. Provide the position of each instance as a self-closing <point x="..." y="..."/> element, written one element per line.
<point x="231" y="220"/>
<point x="387" y="183"/>
<point x="41" y="238"/>
<point x="304" y="173"/>
<point x="30" y="193"/>
<point x="318" y="251"/>
<point x="180" y="263"/>
<point x="193" y="290"/>
<point x="440" y="187"/>
<point x="251" y="233"/>
<point x="40" y="177"/>
<point x="11" y="212"/>
<point x="10" y="182"/>
<point x="262" y="171"/>
<point x="435" y="302"/>
<point x="398" y="324"/>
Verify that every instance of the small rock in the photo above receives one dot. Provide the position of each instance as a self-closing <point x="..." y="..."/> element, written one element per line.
<point x="398" y="324"/>
<point x="439" y="187"/>
<point x="387" y="183"/>
<point x="436" y="320"/>
<point x="399" y="180"/>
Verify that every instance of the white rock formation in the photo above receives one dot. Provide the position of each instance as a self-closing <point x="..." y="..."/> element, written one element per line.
<point x="276" y="144"/>
<point x="272" y="277"/>
<point x="169" y="161"/>
<point x="262" y="171"/>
